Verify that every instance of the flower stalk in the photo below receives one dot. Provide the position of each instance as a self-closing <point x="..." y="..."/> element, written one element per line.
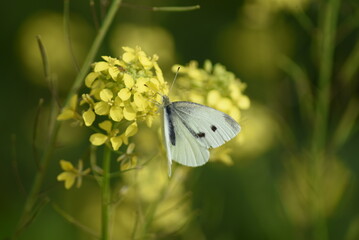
<point x="32" y="198"/>
<point x="326" y="57"/>
<point x="106" y="194"/>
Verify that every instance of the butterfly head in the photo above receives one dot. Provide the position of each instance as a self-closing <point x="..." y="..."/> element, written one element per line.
<point x="165" y="101"/>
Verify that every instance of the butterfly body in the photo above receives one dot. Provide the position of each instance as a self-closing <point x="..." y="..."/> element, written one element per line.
<point x="190" y="129"/>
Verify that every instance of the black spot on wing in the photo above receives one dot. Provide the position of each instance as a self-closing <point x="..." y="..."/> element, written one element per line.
<point x="170" y="125"/>
<point x="194" y="134"/>
<point x="201" y="134"/>
<point x="214" y="128"/>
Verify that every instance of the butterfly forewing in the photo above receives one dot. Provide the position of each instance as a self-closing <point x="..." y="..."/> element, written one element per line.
<point x="190" y="129"/>
<point x="210" y="127"/>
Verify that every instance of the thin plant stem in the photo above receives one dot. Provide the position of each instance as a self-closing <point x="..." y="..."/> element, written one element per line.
<point x="106" y="194"/>
<point x="74" y="221"/>
<point x="94" y="48"/>
<point x="326" y="54"/>
<point x="325" y="73"/>
<point x="176" y="9"/>
<point x="68" y="34"/>
<point x="32" y="197"/>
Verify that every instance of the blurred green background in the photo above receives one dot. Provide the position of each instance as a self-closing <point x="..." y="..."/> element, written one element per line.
<point x="276" y="188"/>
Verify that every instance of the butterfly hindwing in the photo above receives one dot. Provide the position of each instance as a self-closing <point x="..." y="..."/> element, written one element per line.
<point x="210" y="127"/>
<point x="181" y="146"/>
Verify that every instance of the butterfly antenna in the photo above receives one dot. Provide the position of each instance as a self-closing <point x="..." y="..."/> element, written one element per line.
<point x="174" y="79"/>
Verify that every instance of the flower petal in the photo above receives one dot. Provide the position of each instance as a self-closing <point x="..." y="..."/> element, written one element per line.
<point x="106" y="95"/>
<point x="142" y="85"/>
<point x="159" y="73"/>
<point x="145" y="61"/>
<point x="73" y="102"/>
<point x="90" y="78"/>
<point x="113" y="71"/>
<point x="116" y="142"/>
<point x="66" y="114"/>
<point x="213" y="97"/>
<point x="130" y="148"/>
<point x="124" y="94"/>
<point x="116" y="113"/>
<point x="101" y="66"/>
<point x="124" y="139"/>
<point x="106" y="125"/>
<point x="68" y="177"/>
<point x="224" y="104"/>
<point x="66" y="165"/>
<point x="131" y="130"/>
<point x="244" y="102"/>
<point x="89" y="117"/>
<point x="101" y="108"/>
<point x="98" y="139"/>
<point x="128" y="80"/>
<point x="140" y="101"/>
<point x="129" y="113"/>
<point x="128" y="57"/>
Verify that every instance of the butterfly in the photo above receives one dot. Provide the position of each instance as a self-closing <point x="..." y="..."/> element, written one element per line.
<point x="191" y="129"/>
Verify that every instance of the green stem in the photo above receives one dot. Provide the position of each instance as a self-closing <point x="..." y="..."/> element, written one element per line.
<point x="326" y="55"/>
<point x="32" y="198"/>
<point x="325" y="72"/>
<point x="176" y="9"/>
<point x="94" y="48"/>
<point x="106" y="194"/>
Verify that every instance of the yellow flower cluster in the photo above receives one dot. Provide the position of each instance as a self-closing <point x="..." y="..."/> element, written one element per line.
<point x="122" y="92"/>
<point x="215" y="87"/>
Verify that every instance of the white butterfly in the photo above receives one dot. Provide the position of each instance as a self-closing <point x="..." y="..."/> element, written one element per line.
<point x="190" y="129"/>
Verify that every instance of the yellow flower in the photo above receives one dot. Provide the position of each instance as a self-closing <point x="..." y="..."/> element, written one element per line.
<point x="215" y="87"/>
<point x="122" y="92"/>
<point x="69" y="112"/>
<point x="111" y="65"/>
<point x="129" y="159"/>
<point x="98" y="139"/>
<point x="71" y="174"/>
<point x="89" y="117"/>
<point x="131" y="55"/>
<point x="109" y="105"/>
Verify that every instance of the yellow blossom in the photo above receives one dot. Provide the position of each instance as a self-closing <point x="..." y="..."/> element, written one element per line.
<point x="129" y="159"/>
<point x="89" y="117"/>
<point x="98" y="139"/>
<point x="90" y="78"/>
<point x="215" y="87"/>
<point x="131" y="130"/>
<point x="122" y="92"/>
<point x="69" y="112"/>
<point x="109" y="105"/>
<point x="71" y="174"/>
<point x="111" y="65"/>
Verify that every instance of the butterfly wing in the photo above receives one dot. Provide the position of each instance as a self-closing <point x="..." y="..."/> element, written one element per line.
<point x="181" y="146"/>
<point x="208" y="126"/>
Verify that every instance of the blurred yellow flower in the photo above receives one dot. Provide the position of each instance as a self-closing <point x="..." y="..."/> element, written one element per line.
<point x="129" y="159"/>
<point x="154" y="39"/>
<point x="71" y="174"/>
<point x="299" y="191"/>
<point x="215" y="87"/>
<point x="70" y="111"/>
